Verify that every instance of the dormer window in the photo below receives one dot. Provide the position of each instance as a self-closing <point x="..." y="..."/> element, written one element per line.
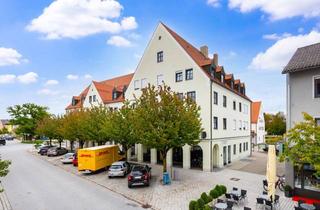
<point x="222" y="78"/>
<point x="114" y="95"/>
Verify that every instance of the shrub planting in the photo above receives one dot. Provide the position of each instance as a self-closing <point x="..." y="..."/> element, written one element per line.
<point x="192" y="205"/>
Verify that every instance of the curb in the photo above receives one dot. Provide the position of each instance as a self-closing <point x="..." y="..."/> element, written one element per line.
<point x="4" y="201"/>
<point x="101" y="185"/>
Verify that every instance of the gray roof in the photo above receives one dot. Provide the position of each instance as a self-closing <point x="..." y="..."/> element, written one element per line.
<point x="304" y="58"/>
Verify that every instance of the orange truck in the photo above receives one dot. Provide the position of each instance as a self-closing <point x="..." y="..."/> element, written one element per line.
<point x="95" y="158"/>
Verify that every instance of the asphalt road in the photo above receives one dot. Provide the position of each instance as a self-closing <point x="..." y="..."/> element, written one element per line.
<point x="33" y="184"/>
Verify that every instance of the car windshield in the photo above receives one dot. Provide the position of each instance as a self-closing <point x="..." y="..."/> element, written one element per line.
<point x="138" y="168"/>
<point x="68" y="155"/>
<point x="115" y="167"/>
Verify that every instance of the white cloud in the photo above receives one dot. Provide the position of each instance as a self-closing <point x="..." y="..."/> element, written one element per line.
<point x="9" y="56"/>
<point x="278" y="55"/>
<point x="119" y="41"/>
<point x="7" y="78"/>
<point x="28" y="78"/>
<point x="51" y="82"/>
<point x="87" y="76"/>
<point x="300" y="30"/>
<point x="279" y="9"/>
<point x="79" y="18"/>
<point x="72" y="77"/>
<point x="213" y="3"/>
<point x="129" y="23"/>
<point x="46" y="91"/>
<point x="276" y="36"/>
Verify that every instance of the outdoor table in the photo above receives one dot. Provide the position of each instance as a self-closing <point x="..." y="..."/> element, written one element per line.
<point x="307" y="206"/>
<point x="221" y="205"/>
<point x="236" y="192"/>
<point x="265" y="197"/>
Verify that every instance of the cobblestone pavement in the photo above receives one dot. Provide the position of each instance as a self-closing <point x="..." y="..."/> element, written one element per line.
<point x="4" y="201"/>
<point x="189" y="185"/>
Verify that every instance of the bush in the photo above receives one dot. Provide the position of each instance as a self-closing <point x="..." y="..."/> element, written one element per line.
<point x="206" y="207"/>
<point x="201" y="203"/>
<point x="223" y="189"/>
<point x="196" y="206"/>
<point x="214" y="193"/>
<point x="205" y="198"/>
<point x="218" y="189"/>
<point x="210" y="198"/>
<point x="192" y="205"/>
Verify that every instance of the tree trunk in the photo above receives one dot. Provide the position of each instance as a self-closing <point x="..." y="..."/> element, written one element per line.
<point x="164" y="160"/>
<point x="71" y="145"/>
<point x="50" y="142"/>
<point x="60" y="143"/>
<point x="125" y="152"/>
<point x="81" y="143"/>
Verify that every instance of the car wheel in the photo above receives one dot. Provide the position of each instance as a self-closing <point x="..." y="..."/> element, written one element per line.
<point x="129" y="185"/>
<point x="110" y="177"/>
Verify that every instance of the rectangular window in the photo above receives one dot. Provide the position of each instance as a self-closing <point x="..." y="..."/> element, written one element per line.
<point x="244" y="146"/>
<point x="189" y="74"/>
<point x="224" y="101"/>
<point x="144" y="83"/>
<point x="215" y="123"/>
<point x="160" y="56"/>
<point x="90" y="99"/>
<point x="234" y="149"/>
<point x="94" y="98"/>
<point x="247" y="145"/>
<point x="136" y="84"/>
<point x="160" y="79"/>
<point x="224" y="123"/>
<point x="179" y="76"/>
<point x="317" y="87"/>
<point x="234" y="124"/>
<point x="222" y="78"/>
<point x="234" y="105"/>
<point x="192" y="95"/>
<point x="240" y="148"/>
<point x="215" y="98"/>
<point x="317" y="121"/>
<point x="240" y="125"/>
<point x="180" y="96"/>
<point x="240" y="107"/>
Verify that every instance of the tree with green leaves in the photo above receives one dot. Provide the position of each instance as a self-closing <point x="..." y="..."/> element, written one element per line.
<point x="4" y="168"/>
<point x="26" y="117"/>
<point x="4" y="130"/>
<point x="163" y="121"/>
<point x="120" y="127"/>
<point x="275" y="124"/>
<point x="303" y="144"/>
<point x="50" y="127"/>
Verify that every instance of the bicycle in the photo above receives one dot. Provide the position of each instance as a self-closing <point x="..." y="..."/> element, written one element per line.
<point x="280" y="183"/>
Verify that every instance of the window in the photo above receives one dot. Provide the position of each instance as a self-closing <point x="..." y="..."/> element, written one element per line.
<point x="180" y="96"/>
<point x="317" y="121"/>
<point x="189" y="74"/>
<point x="179" y="76"/>
<point x="240" y="148"/>
<point x="245" y="108"/>
<point x="215" y="97"/>
<point x="244" y="146"/>
<point x="234" y="149"/>
<point x="234" y="105"/>
<point x="144" y="83"/>
<point x="136" y="84"/>
<point x="234" y="124"/>
<point x="224" y="101"/>
<point x="215" y="123"/>
<point x="247" y="145"/>
<point x="222" y="78"/>
<point x="90" y="99"/>
<point x="192" y="95"/>
<point x="317" y="87"/>
<point x="240" y="125"/>
<point x="114" y="95"/>
<point x="160" y="79"/>
<point x="224" y="123"/>
<point x="240" y="107"/>
<point x="94" y="98"/>
<point x="160" y="56"/>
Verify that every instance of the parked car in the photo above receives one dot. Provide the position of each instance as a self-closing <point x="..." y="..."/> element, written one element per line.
<point x="120" y="168"/>
<point x="8" y="137"/>
<point x="67" y="158"/>
<point x="2" y="141"/>
<point x="75" y="159"/>
<point x="140" y="175"/>
<point x="44" y="149"/>
<point x="56" y="151"/>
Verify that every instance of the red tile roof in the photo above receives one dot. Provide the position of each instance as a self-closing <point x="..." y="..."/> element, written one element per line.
<point x="200" y="59"/>
<point x="105" y="89"/>
<point x="255" y="110"/>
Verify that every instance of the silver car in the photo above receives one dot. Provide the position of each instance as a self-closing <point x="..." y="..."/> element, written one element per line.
<point x="121" y="168"/>
<point x="67" y="158"/>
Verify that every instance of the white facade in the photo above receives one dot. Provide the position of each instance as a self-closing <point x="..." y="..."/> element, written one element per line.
<point x="258" y="129"/>
<point x="222" y="145"/>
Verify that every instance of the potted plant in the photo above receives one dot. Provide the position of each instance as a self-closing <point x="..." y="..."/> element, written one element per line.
<point x="288" y="192"/>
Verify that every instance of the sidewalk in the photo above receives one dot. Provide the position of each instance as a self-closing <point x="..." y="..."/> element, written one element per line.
<point x="4" y="201"/>
<point x="188" y="186"/>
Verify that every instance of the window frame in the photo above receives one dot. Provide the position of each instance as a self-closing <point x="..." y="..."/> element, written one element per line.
<point x="136" y="84"/>
<point x="192" y="93"/>
<point x="215" y="123"/>
<point x="240" y="107"/>
<point x="179" y="73"/>
<point x="317" y="120"/>
<point x="189" y="76"/>
<point x="224" y="101"/>
<point x="159" y="56"/>
<point x="160" y="76"/>
<point x="234" y="149"/>
<point x="215" y="98"/>
<point x="90" y="99"/>
<point x="143" y="80"/>
<point x="94" y="98"/>
<point x="224" y="123"/>
<point x="315" y="95"/>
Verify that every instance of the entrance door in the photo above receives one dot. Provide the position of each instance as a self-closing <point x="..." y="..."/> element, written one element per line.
<point x="224" y="155"/>
<point x="229" y="154"/>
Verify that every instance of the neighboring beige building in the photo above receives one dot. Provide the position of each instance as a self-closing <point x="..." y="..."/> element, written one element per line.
<point x="258" y="131"/>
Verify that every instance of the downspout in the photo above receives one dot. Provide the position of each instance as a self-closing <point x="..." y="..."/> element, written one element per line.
<point x="251" y="129"/>
<point x="211" y="165"/>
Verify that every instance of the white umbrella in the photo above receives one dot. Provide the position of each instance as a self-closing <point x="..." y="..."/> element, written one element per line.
<point x="272" y="171"/>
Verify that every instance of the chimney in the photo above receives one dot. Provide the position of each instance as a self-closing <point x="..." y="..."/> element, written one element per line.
<point x="204" y="50"/>
<point x="215" y="59"/>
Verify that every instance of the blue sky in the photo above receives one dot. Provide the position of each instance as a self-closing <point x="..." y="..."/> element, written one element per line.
<point x="50" y="50"/>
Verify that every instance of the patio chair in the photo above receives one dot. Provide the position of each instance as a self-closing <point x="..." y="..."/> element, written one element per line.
<point x="298" y="208"/>
<point x="260" y="202"/>
<point x="236" y="199"/>
<point x="265" y="193"/>
<point x="269" y="204"/>
<point x="276" y="200"/>
<point x="317" y="205"/>
<point x="228" y="196"/>
<point x="220" y="200"/>
<point x="234" y="188"/>
<point x="230" y="204"/>
<point x="243" y="194"/>
<point x="246" y="208"/>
